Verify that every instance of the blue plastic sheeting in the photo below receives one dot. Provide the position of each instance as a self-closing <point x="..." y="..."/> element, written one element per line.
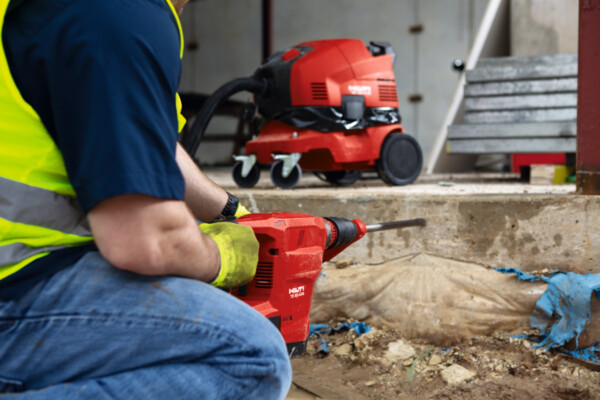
<point x="359" y="327"/>
<point x="323" y="348"/>
<point x="317" y="329"/>
<point x="563" y="311"/>
<point x="522" y="275"/>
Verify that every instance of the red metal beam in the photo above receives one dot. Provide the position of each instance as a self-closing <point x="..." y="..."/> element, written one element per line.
<point x="588" y="98"/>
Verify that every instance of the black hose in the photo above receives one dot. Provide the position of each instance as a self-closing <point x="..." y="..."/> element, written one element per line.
<point x="192" y="140"/>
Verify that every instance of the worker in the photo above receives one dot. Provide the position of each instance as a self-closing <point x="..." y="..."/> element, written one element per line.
<point x="109" y="287"/>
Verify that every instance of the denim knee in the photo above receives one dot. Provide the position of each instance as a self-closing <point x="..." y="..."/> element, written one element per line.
<point x="273" y="350"/>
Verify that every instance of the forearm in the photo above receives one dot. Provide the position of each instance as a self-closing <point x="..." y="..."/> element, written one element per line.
<point x="151" y="236"/>
<point x="205" y="199"/>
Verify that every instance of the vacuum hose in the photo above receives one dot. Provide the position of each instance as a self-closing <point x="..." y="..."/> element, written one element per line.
<point x="192" y="140"/>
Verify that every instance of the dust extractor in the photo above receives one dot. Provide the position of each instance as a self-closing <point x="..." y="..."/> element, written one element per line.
<point x="330" y="107"/>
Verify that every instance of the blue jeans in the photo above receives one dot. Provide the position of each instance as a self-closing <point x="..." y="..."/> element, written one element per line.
<point x="92" y="331"/>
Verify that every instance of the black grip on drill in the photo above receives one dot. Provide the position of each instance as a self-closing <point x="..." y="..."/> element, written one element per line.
<point x="346" y="231"/>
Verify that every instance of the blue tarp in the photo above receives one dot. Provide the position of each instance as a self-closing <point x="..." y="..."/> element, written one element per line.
<point x="317" y="329"/>
<point x="563" y="311"/>
<point x="359" y="327"/>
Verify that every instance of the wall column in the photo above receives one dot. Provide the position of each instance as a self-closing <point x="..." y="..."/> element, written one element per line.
<point x="588" y="99"/>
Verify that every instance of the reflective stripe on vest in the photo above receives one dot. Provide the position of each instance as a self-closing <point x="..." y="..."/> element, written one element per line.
<point x="61" y="213"/>
<point x="39" y="212"/>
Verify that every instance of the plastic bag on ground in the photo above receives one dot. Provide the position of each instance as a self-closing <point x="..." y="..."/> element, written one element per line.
<point x="426" y="297"/>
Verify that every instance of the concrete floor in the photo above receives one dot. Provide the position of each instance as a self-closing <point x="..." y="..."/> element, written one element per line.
<point x="491" y="219"/>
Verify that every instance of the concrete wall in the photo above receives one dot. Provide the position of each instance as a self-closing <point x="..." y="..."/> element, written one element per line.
<point x="226" y="35"/>
<point x="532" y="232"/>
<point x="544" y="26"/>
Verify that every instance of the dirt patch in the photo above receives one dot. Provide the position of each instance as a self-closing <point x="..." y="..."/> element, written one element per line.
<point x="383" y="365"/>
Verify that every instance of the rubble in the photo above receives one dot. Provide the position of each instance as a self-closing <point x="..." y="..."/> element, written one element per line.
<point x="435" y="360"/>
<point x="343" y="263"/>
<point x="399" y="351"/>
<point x="456" y="374"/>
<point x="490" y="367"/>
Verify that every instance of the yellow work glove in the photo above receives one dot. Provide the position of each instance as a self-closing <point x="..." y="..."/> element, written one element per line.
<point x="239" y="252"/>
<point x="241" y="211"/>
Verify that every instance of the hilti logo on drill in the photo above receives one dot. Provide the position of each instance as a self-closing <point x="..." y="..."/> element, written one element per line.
<point x="364" y="90"/>
<point x="296" y="292"/>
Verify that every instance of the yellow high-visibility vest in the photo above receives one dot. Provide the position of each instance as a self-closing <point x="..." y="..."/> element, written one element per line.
<point x="39" y="211"/>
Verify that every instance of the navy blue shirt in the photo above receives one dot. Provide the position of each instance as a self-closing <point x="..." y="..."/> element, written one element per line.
<point x="102" y="75"/>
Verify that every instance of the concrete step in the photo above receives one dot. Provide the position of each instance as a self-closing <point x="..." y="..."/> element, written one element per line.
<point x="493" y="222"/>
<point x="514" y="130"/>
<point x="558" y="136"/>
<point x="512" y="146"/>
<point x="532" y="115"/>
<point x="523" y="68"/>
<point x="557" y="85"/>
<point x="521" y="102"/>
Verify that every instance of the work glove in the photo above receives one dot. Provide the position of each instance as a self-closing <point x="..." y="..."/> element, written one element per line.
<point x="239" y="252"/>
<point x="241" y="211"/>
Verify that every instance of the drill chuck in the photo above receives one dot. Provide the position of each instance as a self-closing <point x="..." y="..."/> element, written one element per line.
<point x="340" y="232"/>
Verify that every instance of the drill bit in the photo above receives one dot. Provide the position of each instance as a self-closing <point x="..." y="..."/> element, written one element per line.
<point x="384" y="226"/>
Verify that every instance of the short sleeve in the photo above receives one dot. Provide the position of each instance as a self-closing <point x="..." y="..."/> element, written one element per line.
<point x="103" y="75"/>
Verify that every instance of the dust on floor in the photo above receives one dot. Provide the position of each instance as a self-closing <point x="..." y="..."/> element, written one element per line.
<point x="381" y="365"/>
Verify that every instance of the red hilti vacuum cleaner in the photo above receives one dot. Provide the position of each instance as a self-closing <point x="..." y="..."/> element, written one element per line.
<point x="330" y="107"/>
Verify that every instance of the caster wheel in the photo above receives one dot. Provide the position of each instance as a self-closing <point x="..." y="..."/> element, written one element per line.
<point x="342" y="178"/>
<point x="287" y="182"/>
<point x="245" y="181"/>
<point x="400" y="159"/>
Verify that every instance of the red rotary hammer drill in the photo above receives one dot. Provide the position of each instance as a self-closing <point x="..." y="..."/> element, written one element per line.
<point x="293" y="247"/>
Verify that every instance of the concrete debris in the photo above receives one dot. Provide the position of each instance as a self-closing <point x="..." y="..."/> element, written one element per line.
<point x="344" y="262"/>
<point x="456" y="374"/>
<point x="435" y="360"/>
<point x="344" y="350"/>
<point x="366" y="339"/>
<point x="399" y="351"/>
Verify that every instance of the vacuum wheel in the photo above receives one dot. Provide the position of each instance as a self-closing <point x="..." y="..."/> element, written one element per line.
<point x="342" y="178"/>
<point x="245" y="181"/>
<point x="285" y="182"/>
<point x="400" y="159"/>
